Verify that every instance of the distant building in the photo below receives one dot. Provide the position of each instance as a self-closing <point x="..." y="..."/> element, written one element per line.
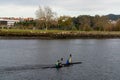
<point x="3" y="23"/>
<point x="9" y="21"/>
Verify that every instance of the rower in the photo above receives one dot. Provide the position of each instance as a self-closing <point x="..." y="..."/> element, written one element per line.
<point x="61" y="62"/>
<point x="69" y="61"/>
<point x="57" y="64"/>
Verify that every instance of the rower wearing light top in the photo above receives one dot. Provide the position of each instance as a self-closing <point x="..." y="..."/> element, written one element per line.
<point x="69" y="61"/>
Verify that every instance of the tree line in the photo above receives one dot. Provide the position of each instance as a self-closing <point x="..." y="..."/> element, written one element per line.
<point x="47" y="20"/>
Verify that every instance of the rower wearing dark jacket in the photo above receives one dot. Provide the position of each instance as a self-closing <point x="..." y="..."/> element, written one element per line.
<point x="61" y="64"/>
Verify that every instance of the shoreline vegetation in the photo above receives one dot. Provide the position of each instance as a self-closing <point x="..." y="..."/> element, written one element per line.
<point x="48" y="26"/>
<point x="56" y="34"/>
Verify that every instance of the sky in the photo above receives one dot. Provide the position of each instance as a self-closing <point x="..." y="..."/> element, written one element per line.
<point x="27" y="8"/>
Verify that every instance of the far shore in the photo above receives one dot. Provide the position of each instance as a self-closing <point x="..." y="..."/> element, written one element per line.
<point x="56" y="34"/>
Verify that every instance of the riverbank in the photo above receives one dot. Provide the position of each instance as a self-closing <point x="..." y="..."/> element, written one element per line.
<point x="56" y="34"/>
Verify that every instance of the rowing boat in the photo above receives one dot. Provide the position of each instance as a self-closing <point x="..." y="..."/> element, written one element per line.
<point x="63" y="65"/>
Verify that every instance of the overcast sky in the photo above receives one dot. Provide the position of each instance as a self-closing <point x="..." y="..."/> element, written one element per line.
<point x="27" y="8"/>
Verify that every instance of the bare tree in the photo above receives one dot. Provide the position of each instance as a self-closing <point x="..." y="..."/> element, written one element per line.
<point x="45" y="14"/>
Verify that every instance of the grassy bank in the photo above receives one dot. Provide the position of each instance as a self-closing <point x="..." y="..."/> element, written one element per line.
<point x="56" y="34"/>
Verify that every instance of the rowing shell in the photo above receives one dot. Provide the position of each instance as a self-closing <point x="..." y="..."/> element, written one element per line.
<point x="63" y="65"/>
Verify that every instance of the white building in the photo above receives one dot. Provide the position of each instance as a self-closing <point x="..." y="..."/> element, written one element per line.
<point x="9" y="22"/>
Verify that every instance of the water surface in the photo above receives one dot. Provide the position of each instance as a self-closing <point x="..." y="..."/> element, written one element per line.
<point x="100" y="57"/>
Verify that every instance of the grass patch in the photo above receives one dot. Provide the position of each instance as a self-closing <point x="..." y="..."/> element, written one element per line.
<point x="58" y="34"/>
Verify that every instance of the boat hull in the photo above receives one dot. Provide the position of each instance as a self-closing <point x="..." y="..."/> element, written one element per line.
<point x="63" y="65"/>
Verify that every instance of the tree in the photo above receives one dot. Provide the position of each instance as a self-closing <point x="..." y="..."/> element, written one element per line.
<point x="117" y="26"/>
<point x="28" y="24"/>
<point x="100" y="23"/>
<point x="84" y="22"/>
<point x="45" y="14"/>
<point x="65" y="22"/>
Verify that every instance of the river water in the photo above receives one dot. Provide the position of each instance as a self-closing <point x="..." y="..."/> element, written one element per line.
<point x="100" y="59"/>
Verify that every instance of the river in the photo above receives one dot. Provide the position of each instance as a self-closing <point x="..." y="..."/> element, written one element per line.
<point x="100" y="59"/>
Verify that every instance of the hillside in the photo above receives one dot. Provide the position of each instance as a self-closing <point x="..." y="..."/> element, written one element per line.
<point x="113" y="16"/>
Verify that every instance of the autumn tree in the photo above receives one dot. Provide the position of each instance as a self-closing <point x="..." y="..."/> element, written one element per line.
<point x="45" y="15"/>
<point x="100" y="22"/>
<point x="84" y="22"/>
<point x="117" y="26"/>
<point x="109" y="27"/>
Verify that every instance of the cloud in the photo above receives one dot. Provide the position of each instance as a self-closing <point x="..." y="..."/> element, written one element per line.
<point x="17" y="11"/>
<point x="90" y="7"/>
<point x="62" y="7"/>
<point x="18" y="2"/>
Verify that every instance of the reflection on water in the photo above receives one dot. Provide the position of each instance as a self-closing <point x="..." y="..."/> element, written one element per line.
<point x="100" y="57"/>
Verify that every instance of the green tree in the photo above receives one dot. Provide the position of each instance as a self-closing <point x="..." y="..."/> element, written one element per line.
<point x="65" y="23"/>
<point x="25" y="24"/>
